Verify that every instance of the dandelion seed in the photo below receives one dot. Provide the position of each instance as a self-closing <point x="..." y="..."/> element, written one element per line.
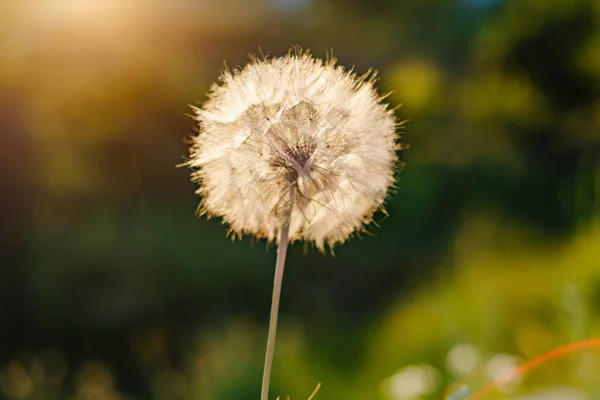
<point x="293" y="148"/>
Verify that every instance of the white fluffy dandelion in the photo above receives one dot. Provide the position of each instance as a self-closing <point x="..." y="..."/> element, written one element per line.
<point x="296" y="139"/>
<point x="293" y="148"/>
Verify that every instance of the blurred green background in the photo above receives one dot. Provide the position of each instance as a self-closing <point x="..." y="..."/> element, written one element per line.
<point x="112" y="289"/>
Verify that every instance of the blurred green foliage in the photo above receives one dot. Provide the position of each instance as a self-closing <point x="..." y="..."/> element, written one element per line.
<point x="111" y="288"/>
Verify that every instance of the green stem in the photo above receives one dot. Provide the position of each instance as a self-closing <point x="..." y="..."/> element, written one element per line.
<point x="281" y="252"/>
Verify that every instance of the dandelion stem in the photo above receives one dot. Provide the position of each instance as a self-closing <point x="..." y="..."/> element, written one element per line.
<point x="281" y="252"/>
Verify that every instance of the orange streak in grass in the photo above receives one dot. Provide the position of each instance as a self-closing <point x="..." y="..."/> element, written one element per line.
<point x="535" y="362"/>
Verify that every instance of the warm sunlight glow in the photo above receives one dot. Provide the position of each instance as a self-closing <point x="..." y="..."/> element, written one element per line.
<point x="80" y="18"/>
<point x="88" y="11"/>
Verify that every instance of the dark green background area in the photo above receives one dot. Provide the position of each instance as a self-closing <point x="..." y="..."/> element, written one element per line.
<point x="112" y="288"/>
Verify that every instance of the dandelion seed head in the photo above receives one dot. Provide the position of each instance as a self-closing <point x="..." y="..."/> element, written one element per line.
<point x="294" y="140"/>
